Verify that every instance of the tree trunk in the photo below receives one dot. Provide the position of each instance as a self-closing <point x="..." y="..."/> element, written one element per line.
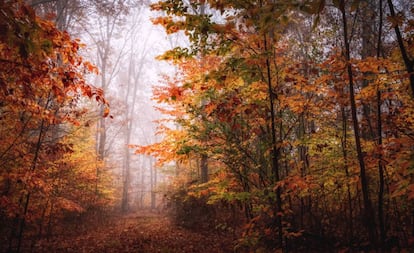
<point x="379" y="136"/>
<point x="275" y="151"/>
<point x="204" y="168"/>
<point x="153" y="183"/>
<point x="126" y="181"/>
<point x="141" y="197"/>
<point x="369" y="216"/>
<point x="348" y="186"/>
<point x="204" y="157"/>
<point x="408" y="62"/>
<point x="22" y="223"/>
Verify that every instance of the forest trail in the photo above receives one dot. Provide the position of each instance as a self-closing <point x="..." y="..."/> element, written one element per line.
<point x="138" y="232"/>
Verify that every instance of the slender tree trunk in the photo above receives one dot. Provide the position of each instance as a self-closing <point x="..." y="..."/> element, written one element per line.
<point x="153" y="183"/>
<point x="348" y="186"/>
<point x="62" y="14"/>
<point x="204" y="168"/>
<point x="275" y="150"/>
<point x="103" y="52"/>
<point x="141" y="200"/>
<point x="381" y="175"/>
<point x="379" y="136"/>
<point x="369" y="216"/>
<point x="408" y="62"/>
<point x="27" y="198"/>
<point x="303" y="158"/>
<point x="102" y="135"/>
<point x="42" y="130"/>
<point x="101" y="148"/>
<point x="126" y="180"/>
<point x="127" y="134"/>
<point x="204" y="157"/>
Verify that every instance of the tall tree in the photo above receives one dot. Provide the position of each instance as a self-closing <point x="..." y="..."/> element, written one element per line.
<point x="397" y="20"/>
<point x="38" y="94"/>
<point x="102" y="29"/>
<point x="369" y="211"/>
<point x="137" y="61"/>
<point x="278" y="125"/>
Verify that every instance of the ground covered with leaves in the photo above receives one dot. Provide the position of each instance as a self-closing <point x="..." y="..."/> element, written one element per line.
<point x="136" y="232"/>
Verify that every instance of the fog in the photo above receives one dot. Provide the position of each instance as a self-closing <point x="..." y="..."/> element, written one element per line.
<point x="124" y="47"/>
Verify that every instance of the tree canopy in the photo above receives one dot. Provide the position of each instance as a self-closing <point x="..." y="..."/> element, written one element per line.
<point x="304" y="110"/>
<point x="44" y="170"/>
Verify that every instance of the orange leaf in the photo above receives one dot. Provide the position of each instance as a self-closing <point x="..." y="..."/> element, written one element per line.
<point x="106" y="112"/>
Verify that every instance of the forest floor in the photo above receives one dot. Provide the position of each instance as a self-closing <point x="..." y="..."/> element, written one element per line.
<point x="137" y="232"/>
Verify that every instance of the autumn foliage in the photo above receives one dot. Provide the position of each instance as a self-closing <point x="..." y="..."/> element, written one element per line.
<point x="308" y="129"/>
<point x="45" y="171"/>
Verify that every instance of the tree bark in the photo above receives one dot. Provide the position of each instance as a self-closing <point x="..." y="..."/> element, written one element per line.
<point x="204" y="168"/>
<point x="275" y="150"/>
<point x="204" y="157"/>
<point x="409" y="63"/>
<point x="369" y="216"/>
<point x="348" y="186"/>
<point x="153" y="183"/>
<point x="379" y="136"/>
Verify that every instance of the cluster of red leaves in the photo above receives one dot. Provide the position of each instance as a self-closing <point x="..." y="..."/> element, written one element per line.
<point x="42" y="79"/>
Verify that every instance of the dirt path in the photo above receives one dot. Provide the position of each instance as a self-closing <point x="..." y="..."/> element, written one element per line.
<point x="139" y="232"/>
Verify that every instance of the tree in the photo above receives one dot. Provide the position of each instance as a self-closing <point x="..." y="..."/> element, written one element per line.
<point x="369" y="212"/>
<point x="398" y="20"/>
<point x="102" y="30"/>
<point x="137" y="61"/>
<point x="278" y="114"/>
<point x="65" y="14"/>
<point x="41" y="84"/>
